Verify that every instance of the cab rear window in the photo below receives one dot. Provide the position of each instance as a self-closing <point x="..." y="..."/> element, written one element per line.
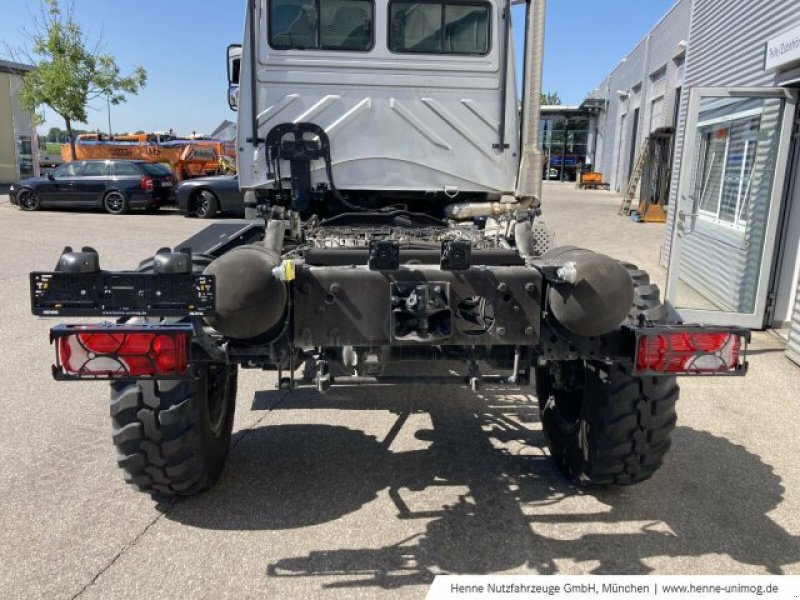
<point x="321" y="24"/>
<point x="432" y="27"/>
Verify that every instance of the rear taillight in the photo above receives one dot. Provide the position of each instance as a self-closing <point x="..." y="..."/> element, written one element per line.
<point x="690" y="352"/>
<point x="146" y="183"/>
<point x="117" y="352"/>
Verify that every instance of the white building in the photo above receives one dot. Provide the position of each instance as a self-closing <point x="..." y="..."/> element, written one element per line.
<point x="17" y="133"/>
<point x="725" y="76"/>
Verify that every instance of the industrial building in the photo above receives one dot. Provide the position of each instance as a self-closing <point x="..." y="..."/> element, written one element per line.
<point x="568" y="140"/>
<point x="720" y="81"/>
<point x="17" y="132"/>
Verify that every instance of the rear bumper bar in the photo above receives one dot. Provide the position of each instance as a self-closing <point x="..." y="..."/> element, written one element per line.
<point x="340" y="306"/>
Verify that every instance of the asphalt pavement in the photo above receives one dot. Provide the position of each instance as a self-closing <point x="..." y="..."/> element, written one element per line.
<point x="371" y="492"/>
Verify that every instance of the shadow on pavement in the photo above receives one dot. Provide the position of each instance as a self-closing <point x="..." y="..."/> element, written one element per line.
<point x="711" y="496"/>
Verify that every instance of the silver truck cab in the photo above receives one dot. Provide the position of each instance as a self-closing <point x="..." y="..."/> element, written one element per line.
<point x="414" y="96"/>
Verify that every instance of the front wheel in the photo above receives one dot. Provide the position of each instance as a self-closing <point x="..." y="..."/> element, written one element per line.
<point x="172" y="437"/>
<point x="28" y="200"/>
<point x="603" y="425"/>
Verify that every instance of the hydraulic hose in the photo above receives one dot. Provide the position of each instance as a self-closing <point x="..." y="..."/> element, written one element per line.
<point x="334" y="189"/>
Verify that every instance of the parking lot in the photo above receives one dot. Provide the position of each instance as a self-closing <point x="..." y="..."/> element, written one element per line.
<point x="371" y="492"/>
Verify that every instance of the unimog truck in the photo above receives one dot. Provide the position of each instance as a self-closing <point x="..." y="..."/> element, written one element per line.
<point x="393" y="236"/>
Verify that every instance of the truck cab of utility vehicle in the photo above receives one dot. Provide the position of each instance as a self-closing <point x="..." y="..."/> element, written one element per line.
<point x="416" y="98"/>
<point x="392" y="193"/>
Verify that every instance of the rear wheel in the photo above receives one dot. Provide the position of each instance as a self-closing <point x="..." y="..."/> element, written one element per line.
<point x="173" y="436"/>
<point x="115" y="203"/>
<point x="28" y="200"/>
<point x="604" y="426"/>
<point x="206" y="205"/>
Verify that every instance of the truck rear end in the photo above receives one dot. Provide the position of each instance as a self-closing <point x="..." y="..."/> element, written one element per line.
<point x="390" y="226"/>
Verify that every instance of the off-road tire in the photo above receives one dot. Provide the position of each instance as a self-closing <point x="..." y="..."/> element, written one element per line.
<point x="619" y="428"/>
<point x="172" y="437"/>
<point x="647" y="303"/>
<point x="603" y="425"/>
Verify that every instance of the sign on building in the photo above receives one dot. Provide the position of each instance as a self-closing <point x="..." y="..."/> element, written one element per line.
<point x="783" y="50"/>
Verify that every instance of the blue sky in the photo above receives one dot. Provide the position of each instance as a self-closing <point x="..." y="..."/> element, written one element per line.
<point x="182" y="45"/>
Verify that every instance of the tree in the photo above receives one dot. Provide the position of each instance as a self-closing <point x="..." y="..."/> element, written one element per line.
<point x="68" y="73"/>
<point x="52" y="135"/>
<point x="60" y="136"/>
<point x="551" y="98"/>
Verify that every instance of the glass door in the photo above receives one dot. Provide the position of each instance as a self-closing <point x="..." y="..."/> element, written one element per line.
<point x="731" y="188"/>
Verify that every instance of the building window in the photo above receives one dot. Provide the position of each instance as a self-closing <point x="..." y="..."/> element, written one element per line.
<point x="439" y="28"/>
<point x="25" y="156"/>
<point x="727" y="167"/>
<point x="564" y="144"/>
<point x="321" y="24"/>
<point x="676" y="108"/>
<point x="656" y="113"/>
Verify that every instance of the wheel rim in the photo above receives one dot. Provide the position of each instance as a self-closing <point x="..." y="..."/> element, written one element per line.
<point x="217" y="399"/>
<point x="27" y="200"/>
<point x="565" y="394"/>
<point x="203" y="206"/>
<point x="115" y="203"/>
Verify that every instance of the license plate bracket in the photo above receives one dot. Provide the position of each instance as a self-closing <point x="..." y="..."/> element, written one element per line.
<point x="122" y="294"/>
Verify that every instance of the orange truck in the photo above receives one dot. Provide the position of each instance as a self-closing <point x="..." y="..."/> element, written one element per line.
<point x="186" y="158"/>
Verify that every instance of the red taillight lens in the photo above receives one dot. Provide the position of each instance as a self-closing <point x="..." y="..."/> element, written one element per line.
<point x="688" y="352"/>
<point x="146" y="183"/>
<point x="123" y="354"/>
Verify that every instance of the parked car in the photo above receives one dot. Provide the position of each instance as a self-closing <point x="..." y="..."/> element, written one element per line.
<point x="206" y="197"/>
<point x="113" y="185"/>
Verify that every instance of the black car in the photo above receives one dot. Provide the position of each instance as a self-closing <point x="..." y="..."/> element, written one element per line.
<point x="205" y="197"/>
<point x="113" y="185"/>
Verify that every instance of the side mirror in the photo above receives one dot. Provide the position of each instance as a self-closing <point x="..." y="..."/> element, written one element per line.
<point x="50" y="176"/>
<point x="233" y="97"/>
<point x="234" y="69"/>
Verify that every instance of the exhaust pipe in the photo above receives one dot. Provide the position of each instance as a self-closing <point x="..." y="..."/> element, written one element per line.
<point x="470" y="210"/>
<point x="529" y="179"/>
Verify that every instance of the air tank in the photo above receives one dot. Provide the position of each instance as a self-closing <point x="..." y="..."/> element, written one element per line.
<point x="250" y="300"/>
<point x="592" y="294"/>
